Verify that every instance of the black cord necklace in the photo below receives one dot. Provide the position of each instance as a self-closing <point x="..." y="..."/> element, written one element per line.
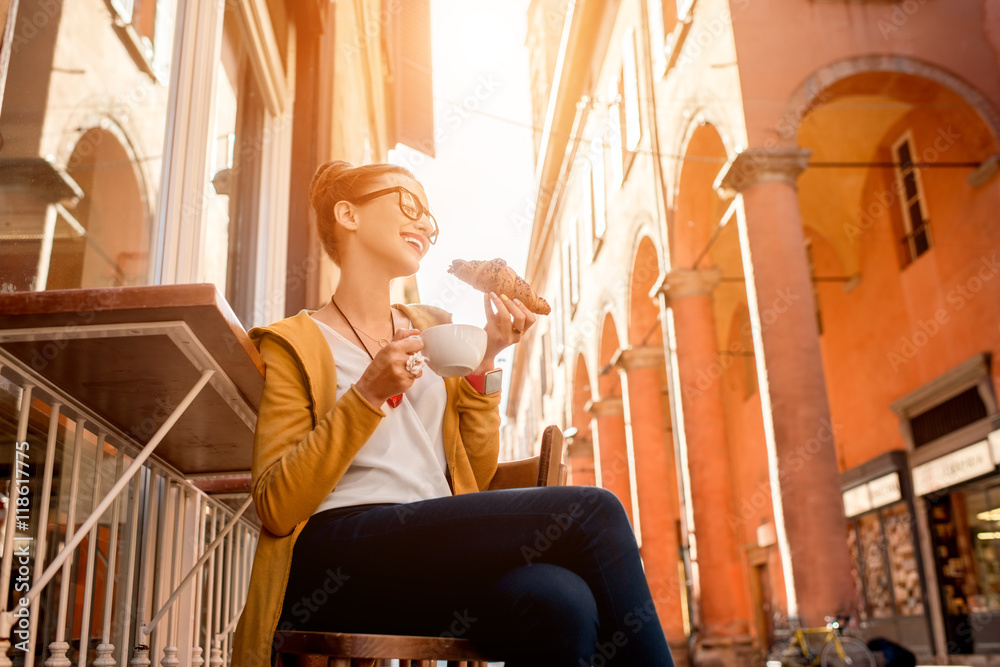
<point x="382" y="342"/>
<point x="392" y="400"/>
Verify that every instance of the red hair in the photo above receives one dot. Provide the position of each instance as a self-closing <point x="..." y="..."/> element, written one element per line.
<point x="338" y="181"/>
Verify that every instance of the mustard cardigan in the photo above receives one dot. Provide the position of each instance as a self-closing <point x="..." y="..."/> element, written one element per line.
<point x="306" y="439"/>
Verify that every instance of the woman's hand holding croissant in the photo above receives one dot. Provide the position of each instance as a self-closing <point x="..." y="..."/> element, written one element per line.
<point x="506" y="321"/>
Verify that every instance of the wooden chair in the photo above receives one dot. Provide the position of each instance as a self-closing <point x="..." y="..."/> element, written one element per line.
<point x="341" y="649"/>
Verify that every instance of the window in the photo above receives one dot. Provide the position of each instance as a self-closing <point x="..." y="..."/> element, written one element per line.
<point x="545" y="364"/>
<point x="583" y="190"/>
<point x="884" y="563"/>
<point x="572" y="262"/>
<point x="124" y="9"/>
<point x="408" y="36"/>
<point x="629" y="92"/>
<point x="81" y="163"/>
<point x="911" y="197"/>
<point x="961" y="410"/>
<point x="598" y="204"/>
<point x="951" y="410"/>
<point x="147" y="29"/>
<point x="662" y="20"/>
<point x="613" y="135"/>
<point x="556" y="323"/>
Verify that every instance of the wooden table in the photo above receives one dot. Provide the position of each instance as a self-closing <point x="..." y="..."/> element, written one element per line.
<point x="131" y="354"/>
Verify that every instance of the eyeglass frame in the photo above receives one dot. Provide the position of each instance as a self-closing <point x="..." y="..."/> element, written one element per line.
<point x="421" y="210"/>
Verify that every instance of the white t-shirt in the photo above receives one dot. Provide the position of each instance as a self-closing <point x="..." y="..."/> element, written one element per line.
<point x="403" y="459"/>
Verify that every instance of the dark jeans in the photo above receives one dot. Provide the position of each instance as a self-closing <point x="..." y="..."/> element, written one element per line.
<point x="542" y="576"/>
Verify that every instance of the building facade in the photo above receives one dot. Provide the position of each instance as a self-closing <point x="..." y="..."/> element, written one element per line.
<point x="767" y="231"/>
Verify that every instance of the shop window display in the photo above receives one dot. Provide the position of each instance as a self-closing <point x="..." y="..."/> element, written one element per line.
<point x="965" y="529"/>
<point x="907" y="591"/>
<point x="884" y="564"/>
<point x="875" y="566"/>
<point x="983" y="517"/>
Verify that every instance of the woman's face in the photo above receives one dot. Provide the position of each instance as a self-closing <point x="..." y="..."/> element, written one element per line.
<point x="386" y="231"/>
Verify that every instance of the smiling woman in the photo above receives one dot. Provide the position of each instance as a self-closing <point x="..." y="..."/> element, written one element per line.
<point x="366" y="465"/>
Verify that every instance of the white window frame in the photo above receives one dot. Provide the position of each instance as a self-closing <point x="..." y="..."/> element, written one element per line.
<point x="613" y="131"/>
<point x="124" y="8"/>
<point x="657" y="36"/>
<point x="632" y="131"/>
<point x="186" y="181"/>
<point x="598" y="193"/>
<point x="572" y="255"/>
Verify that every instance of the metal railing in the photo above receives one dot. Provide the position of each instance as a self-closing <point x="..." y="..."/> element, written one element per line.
<point x="109" y="556"/>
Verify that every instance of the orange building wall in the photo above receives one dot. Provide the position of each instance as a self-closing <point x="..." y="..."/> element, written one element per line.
<point x="899" y="329"/>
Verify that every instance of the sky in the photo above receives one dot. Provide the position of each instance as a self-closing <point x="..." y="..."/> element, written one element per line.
<point x="480" y="184"/>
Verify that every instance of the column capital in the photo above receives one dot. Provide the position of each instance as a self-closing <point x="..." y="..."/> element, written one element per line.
<point x="610" y="406"/>
<point x="638" y="356"/>
<point x="680" y="283"/>
<point x="762" y="165"/>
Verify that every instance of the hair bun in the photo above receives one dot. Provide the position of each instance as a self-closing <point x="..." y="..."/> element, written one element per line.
<point x="324" y="175"/>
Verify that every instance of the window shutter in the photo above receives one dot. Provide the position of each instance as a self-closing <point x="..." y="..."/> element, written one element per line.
<point x="411" y="76"/>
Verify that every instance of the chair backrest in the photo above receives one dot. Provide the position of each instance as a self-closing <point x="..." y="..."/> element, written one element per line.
<point x="551" y="469"/>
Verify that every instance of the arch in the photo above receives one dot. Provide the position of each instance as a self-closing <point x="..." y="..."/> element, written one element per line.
<point x="581" y="450"/>
<point x="858" y="209"/>
<point x="698" y="206"/>
<point x="79" y="126"/>
<point x="643" y="312"/>
<point x="115" y="250"/>
<point x="715" y="114"/>
<point x="607" y="381"/>
<point x="828" y="82"/>
<point x="608" y="412"/>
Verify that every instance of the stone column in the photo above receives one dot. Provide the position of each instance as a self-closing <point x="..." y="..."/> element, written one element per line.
<point x="610" y="454"/>
<point x="656" y="482"/>
<point x="580" y="453"/>
<point x="805" y="482"/>
<point x="723" y="603"/>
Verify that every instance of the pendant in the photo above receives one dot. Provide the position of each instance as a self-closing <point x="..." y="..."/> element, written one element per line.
<point x="394" y="401"/>
<point x="382" y="342"/>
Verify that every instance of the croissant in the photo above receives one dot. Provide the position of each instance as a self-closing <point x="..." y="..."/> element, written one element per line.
<point x="495" y="276"/>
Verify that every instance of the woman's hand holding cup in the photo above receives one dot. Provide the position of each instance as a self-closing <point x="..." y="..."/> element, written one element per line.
<point x="387" y="375"/>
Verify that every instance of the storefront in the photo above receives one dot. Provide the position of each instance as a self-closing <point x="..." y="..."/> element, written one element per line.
<point x="961" y="491"/>
<point x="885" y="556"/>
<point x="951" y="427"/>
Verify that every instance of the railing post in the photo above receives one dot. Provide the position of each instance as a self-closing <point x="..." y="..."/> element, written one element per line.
<point x="93" y="538"/>
<point x="141" y="658"/>
<point x="43" y="518"/>
<point x="59" y="648"/>
<point x="6" y="616"/>
<point x="104" y="657"/>
<point x="133" y="533"/>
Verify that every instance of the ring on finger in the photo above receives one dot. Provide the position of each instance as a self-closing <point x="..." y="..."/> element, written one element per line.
<point x="516" y="331"/>
<point x="414" y="363"/>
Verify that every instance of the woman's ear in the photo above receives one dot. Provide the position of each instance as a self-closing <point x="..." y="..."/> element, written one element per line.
<point x="343" y="215"/>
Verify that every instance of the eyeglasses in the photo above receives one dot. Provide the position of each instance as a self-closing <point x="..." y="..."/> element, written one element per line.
<point x="411" y="207"/>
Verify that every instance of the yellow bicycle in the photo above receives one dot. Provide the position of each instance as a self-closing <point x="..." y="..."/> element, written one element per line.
<point x="836" y="651"/>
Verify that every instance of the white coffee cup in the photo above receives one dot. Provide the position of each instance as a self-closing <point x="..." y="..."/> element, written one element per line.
<point x="453" y="349"/>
